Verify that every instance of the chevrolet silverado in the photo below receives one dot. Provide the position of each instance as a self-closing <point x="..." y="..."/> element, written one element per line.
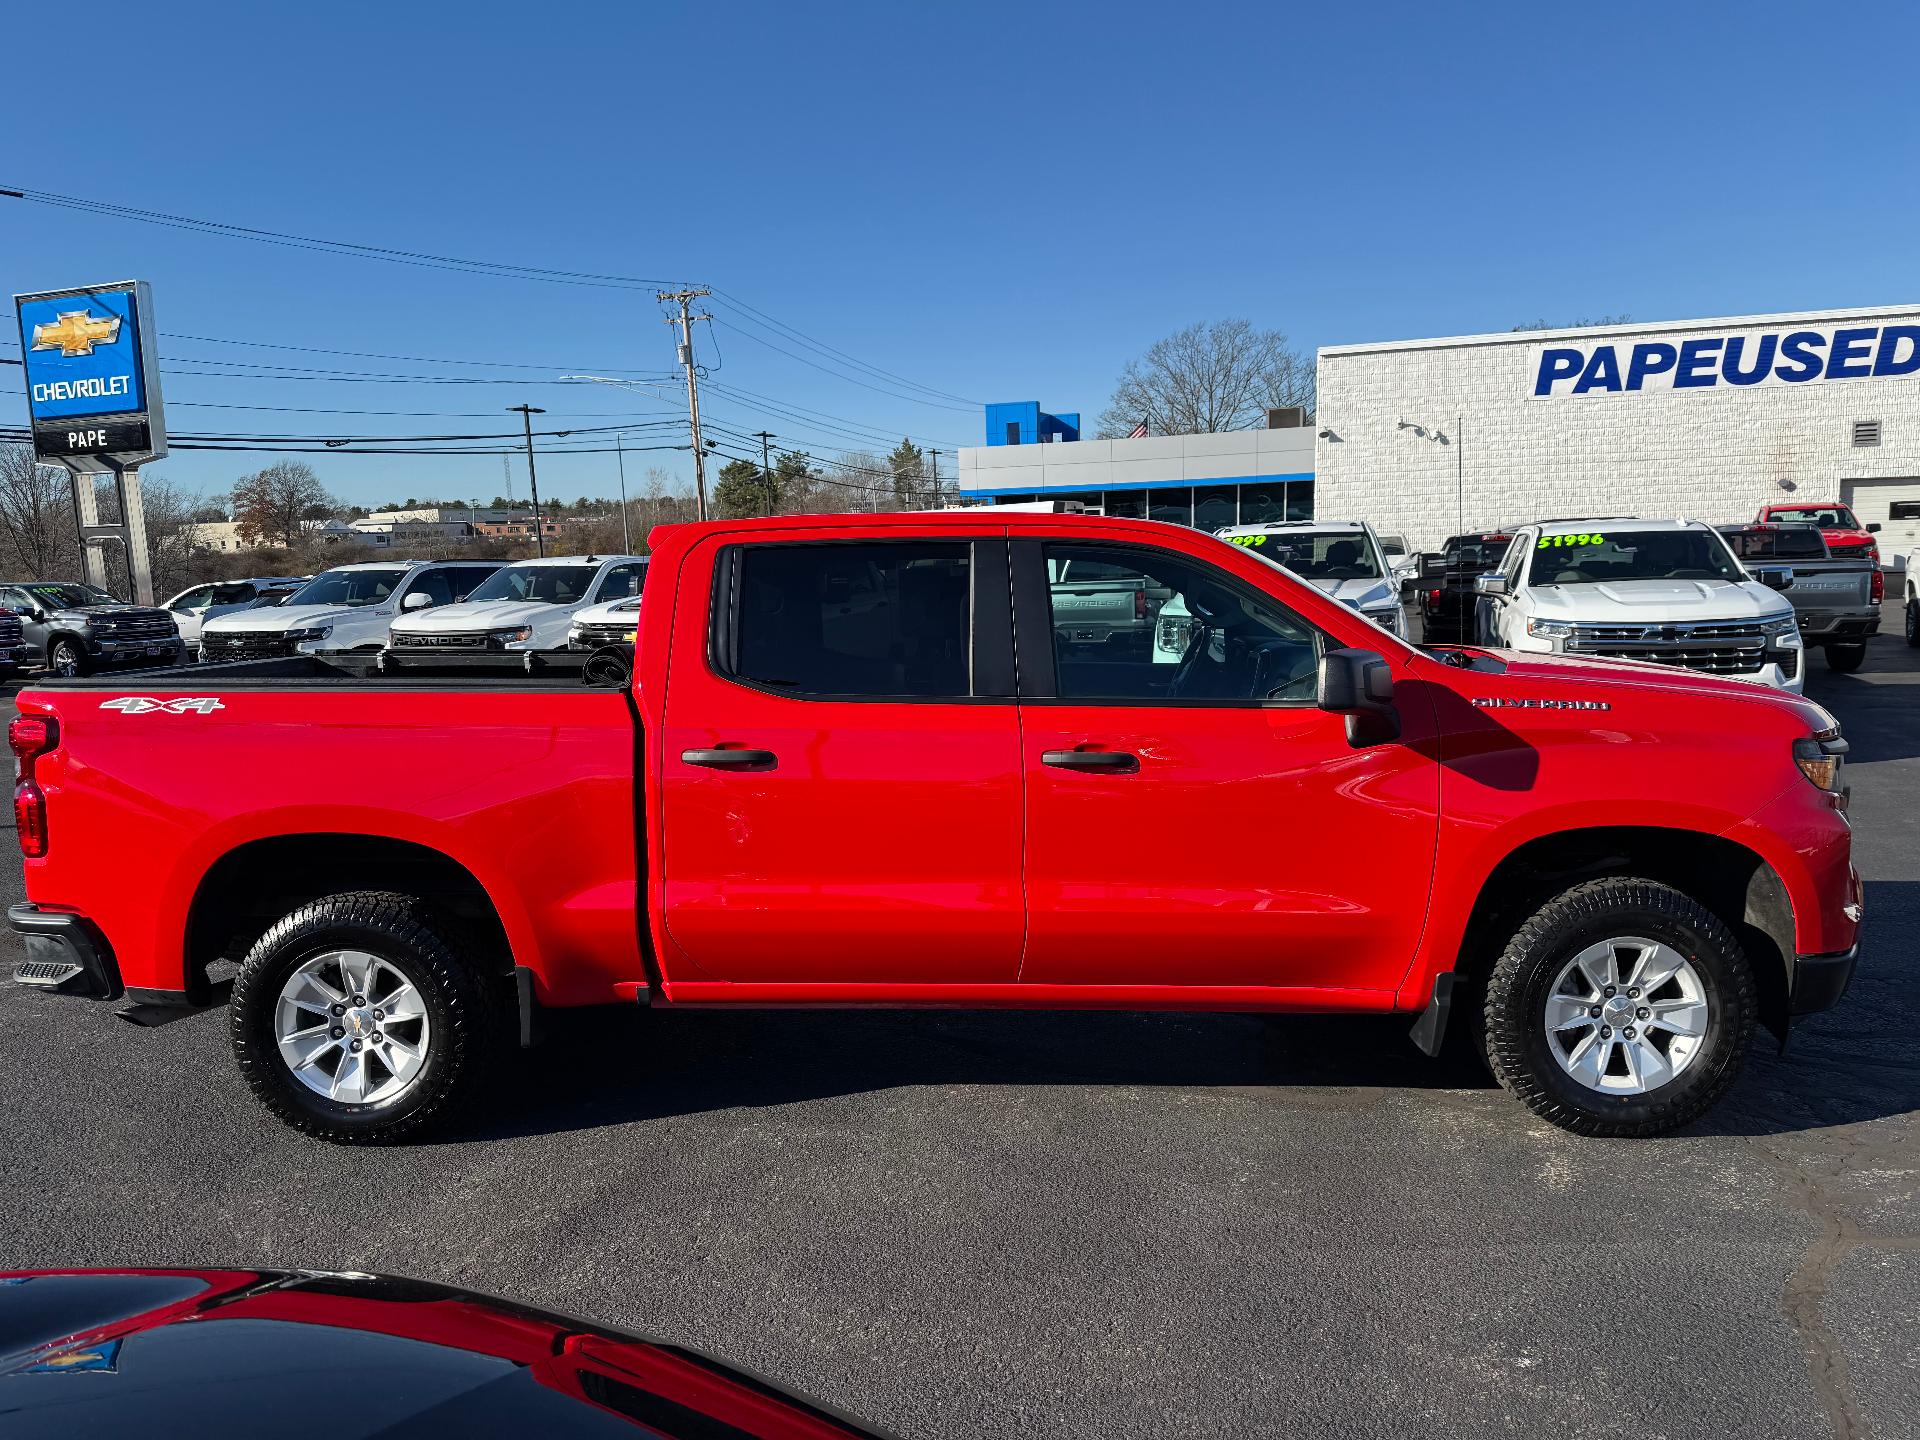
<point x="1611" y="872"/>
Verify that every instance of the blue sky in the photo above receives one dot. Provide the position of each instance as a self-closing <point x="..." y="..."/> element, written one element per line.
<point x="994" y="201"/>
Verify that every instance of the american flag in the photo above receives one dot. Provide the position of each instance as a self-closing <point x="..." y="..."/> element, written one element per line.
<point x="1139" y="432"/>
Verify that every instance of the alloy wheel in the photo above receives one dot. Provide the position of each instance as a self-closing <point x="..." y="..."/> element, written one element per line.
<point x="1626" y="1016"/>
<point x="352" y="1026"/>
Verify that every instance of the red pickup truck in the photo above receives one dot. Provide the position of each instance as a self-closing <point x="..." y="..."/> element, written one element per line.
<point x="859" y="763"/>
<point x="1846" y="537"/>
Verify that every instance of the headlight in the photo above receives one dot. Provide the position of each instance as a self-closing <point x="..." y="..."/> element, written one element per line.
<point x="1776" y="628"/>
<point x="1381" y="615"/>
<point x="310" y="632"/>
<point x="1819" y="758"/>
<point x="1550" y="629"/>
<point x="1175" y="633"/>
<point x="515" y="636"/>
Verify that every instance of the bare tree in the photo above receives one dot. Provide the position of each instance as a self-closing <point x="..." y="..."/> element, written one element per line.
<point x="36" y="516"/>
<point x="1221" y="376"/>
<point x="270" y="504"/>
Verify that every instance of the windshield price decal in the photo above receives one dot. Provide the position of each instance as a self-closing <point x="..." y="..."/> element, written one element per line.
<point x="1256" y="541"/>
<point x="1555" y="542"/>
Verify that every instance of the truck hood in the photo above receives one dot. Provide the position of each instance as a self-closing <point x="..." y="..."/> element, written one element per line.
<point x="282" y="617"/>
<point x="95" y="612"/>
<point x="485" y="615"/>
<point x="1553" y="671"/>
<point x="1617" y="601"/>
<point x="1357" y="593"/>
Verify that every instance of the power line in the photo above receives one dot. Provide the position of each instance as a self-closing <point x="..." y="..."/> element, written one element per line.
<point x="803" y="338"/>
<point x="850" y="379"/>
<point x="354" y="248"/>
<point x="497" y="269"/>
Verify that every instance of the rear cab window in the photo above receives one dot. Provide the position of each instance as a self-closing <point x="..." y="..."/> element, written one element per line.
<point x="856" y="620"/>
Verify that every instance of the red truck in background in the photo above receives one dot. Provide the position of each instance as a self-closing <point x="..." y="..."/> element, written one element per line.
<point x="860" y="762"/>
<point x="1846" y="537"/>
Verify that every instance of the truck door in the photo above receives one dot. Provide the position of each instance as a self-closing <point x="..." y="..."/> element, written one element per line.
<point x="1192" y="817"/>
<point x="841" y="778"/>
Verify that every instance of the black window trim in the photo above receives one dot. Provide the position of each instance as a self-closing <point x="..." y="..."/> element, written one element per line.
<point x="1033" y="615"/>
<point x="989" y="622"/>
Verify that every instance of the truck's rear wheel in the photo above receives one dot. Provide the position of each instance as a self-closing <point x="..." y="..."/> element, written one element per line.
<point x="1846" y="658"/>
<point x="1621" y="1007"/>
<point x="356" y="1019"/>
<point x="1913" y="623"/>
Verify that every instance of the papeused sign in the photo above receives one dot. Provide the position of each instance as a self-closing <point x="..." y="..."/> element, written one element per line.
<point x="1736" y="360"/>
<point x="93" y="382"/>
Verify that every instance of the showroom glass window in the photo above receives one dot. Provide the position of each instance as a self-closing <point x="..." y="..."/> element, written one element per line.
<point x="1215" y="507"/>
<point x="875" y="621"/>
<point x="1201" y="636"/>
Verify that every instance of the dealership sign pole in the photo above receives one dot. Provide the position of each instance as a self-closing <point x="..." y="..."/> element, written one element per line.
<point x="93" y="391"/>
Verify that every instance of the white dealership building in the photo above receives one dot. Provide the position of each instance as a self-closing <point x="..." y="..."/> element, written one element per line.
<point x="1703" y="418"/>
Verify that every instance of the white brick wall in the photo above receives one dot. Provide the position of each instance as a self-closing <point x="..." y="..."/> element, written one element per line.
<point x="1716" y="454"/>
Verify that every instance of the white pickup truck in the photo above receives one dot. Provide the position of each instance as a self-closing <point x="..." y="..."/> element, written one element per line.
<point x="1668" y="591"/>
<point x="1911" y="580"/>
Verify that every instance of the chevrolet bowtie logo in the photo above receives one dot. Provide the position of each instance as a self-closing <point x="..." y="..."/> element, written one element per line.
<point x="76" y="333"/>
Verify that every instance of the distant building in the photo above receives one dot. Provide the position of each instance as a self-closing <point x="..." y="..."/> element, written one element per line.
<point x="520" y="528"/>
<point x="1235" y="477"/>
<point x="443" y="515"/>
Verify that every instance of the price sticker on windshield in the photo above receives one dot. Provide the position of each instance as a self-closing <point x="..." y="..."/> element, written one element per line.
<point x="1557" y="542"/>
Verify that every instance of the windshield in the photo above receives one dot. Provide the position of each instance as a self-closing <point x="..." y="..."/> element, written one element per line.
<point x="1315" y="554"/>
<point x="69" y="597"/>
<point x="1598" y="558"/>
<point x="1827" y="517"/>
<point x="1475" y="552"/>
<point x="541" y="584"/>
<point x="347" y="587"/>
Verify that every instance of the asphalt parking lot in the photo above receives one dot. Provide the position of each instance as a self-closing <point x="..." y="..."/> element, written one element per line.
<point x="1095" y="1225"/>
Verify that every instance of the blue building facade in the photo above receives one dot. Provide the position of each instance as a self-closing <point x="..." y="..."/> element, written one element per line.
<point x="1023" y="422"/>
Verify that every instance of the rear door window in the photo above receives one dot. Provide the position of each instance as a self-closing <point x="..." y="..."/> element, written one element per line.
<point x="886" y="620"/>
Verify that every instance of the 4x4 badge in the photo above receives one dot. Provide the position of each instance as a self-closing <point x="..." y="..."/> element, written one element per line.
<point x="147" y="705"/>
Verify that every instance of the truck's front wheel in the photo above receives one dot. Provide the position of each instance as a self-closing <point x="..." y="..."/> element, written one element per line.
<point x="356" y="1020"/>
<point x="1621" y="1007"/>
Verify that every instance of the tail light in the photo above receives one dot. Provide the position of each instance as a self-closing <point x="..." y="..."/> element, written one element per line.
<point x="1140" y="604"/>
<point x="31" y="736"/>
<point x="1878" y="592"/>
<point x="1433" y="597"/>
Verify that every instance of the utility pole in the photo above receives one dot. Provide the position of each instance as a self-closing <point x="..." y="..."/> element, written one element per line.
<point x="626" y="526"/>
<point x="765" y="437"/>
<point x="527" y="412"/>
<point x="933" y="459"/>
<point x="685" y="321"/>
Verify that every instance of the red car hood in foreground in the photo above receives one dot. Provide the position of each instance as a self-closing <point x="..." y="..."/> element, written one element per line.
<point x="276" y="1353"/>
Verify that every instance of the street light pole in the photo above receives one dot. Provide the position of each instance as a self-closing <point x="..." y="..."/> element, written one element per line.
<point x="527" y="412"/>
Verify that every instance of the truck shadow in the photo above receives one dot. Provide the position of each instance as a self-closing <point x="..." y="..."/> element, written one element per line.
<point x="607" y="1067"/>
<point x="610" y="1067"/>
<point x="1876" y="708"/>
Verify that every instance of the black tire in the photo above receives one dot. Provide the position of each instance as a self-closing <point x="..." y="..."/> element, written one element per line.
<point x="68" y="657"/>
<point x="1845" y="659"/>
<point x="1913" y="623"/>
<point x="465" y="1005"/>
<point x="1515" y="1041"/>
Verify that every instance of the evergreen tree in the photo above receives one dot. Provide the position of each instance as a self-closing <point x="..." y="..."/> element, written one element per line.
<point x="909" y="466"/>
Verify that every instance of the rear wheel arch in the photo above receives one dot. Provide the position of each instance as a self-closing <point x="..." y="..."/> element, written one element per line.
<point x="1733" y="882"/>
<point x="251" y="887"/>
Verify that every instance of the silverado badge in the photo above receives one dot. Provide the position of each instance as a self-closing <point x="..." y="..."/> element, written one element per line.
<point x="1496" y="704"/>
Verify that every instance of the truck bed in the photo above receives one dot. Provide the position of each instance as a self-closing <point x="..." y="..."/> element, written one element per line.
<point x="556" y="670"/>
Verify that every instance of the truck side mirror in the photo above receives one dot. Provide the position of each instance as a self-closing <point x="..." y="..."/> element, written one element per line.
<point x="1358" y="685"/>
<point x="1774" y="577"/>
<point x="418" y="600"/>
<point x="1873" y="527"/>
<point x="1495" y="584"/>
